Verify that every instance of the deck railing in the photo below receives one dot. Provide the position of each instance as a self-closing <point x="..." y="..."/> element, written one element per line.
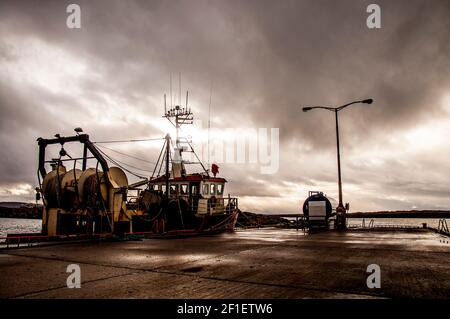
<point x="371" y="225"/>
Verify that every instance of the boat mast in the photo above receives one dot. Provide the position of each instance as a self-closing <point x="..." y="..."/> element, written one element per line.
<point x="179" y="116"/>
<point x="167" y="164"/>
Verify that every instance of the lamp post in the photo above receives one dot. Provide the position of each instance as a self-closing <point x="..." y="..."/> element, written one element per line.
<point x="340" y="210"/>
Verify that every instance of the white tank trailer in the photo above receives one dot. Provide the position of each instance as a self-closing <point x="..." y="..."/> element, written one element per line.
<point x="317" y="209"/>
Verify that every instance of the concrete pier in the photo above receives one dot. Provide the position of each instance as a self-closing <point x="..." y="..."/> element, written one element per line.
<point x="257" y="263"/>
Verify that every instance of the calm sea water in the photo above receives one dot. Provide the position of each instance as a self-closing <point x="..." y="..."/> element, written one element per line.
<point x="19" y="225"/>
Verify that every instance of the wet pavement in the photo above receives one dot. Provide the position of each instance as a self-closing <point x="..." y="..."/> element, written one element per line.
<point x="257" y="263"/>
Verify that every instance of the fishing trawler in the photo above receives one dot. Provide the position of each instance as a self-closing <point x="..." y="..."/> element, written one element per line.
<point x="100" y="200"/>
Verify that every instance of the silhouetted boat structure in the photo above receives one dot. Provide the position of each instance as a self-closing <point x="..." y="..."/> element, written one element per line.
<point x="98" y="200"/>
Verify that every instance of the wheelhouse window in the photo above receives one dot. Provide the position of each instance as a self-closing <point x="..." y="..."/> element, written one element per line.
<point x="163" y="188"/>
<point x="219" y="189"/>
<point x="213" y="189"/>
<point x="205" y="189"/>
<point x="173" y="189"/>
<point x="184" y="189"/>
<point x="155" y="187"/>
<point x="194" y="189"/>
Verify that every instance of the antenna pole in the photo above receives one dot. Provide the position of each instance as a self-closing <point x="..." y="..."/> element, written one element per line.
<point x="209" y="121"/>
<point x="165" y="105"/>
<point x="180" y="117"/>
<point x="177" y="123"/>
<point x="167" y="164"/>
<point x="179" y="90"/>
<point x="171" y="99"/>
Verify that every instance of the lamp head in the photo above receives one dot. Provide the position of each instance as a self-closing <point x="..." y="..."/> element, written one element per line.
<point x="367" y="101"/>
<point x="306" y="109"/>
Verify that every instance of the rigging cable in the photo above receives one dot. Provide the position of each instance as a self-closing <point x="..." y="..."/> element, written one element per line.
<point x="123" y="163"/>
<point x="159" y="158"/>
<point x="125" y="169"/>
<point x="125" y="154"/>
<point x="129" y="141"/>
<point x="193" y="151"/>
<point x="195" y="154"/>
<point x="129" y="165"/>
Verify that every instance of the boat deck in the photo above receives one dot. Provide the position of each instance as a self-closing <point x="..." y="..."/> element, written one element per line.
<point x="256" y="263"/>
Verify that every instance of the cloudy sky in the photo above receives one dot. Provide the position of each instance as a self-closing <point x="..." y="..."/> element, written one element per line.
<point x="259" y="62"/>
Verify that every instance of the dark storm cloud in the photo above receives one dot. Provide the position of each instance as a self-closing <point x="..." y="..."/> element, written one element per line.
<point x="267" y="55"/>
<point x="263" y="59"/>
<point x="328" y="57"/>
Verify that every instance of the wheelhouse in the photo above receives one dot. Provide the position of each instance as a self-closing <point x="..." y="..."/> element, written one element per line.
<point x="191" y="185"/>
<point x="202" y="193"/>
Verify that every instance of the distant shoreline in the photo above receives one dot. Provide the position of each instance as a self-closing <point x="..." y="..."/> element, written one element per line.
<point x="402" y="214"/>
<point x="20" y="210"/>
<point x="32" y="211"/>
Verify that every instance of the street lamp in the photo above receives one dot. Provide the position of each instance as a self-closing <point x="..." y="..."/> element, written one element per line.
<point x="340" y="210"/>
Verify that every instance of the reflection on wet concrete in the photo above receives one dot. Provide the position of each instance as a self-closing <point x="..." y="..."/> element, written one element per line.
<point x="256" y="263"/>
